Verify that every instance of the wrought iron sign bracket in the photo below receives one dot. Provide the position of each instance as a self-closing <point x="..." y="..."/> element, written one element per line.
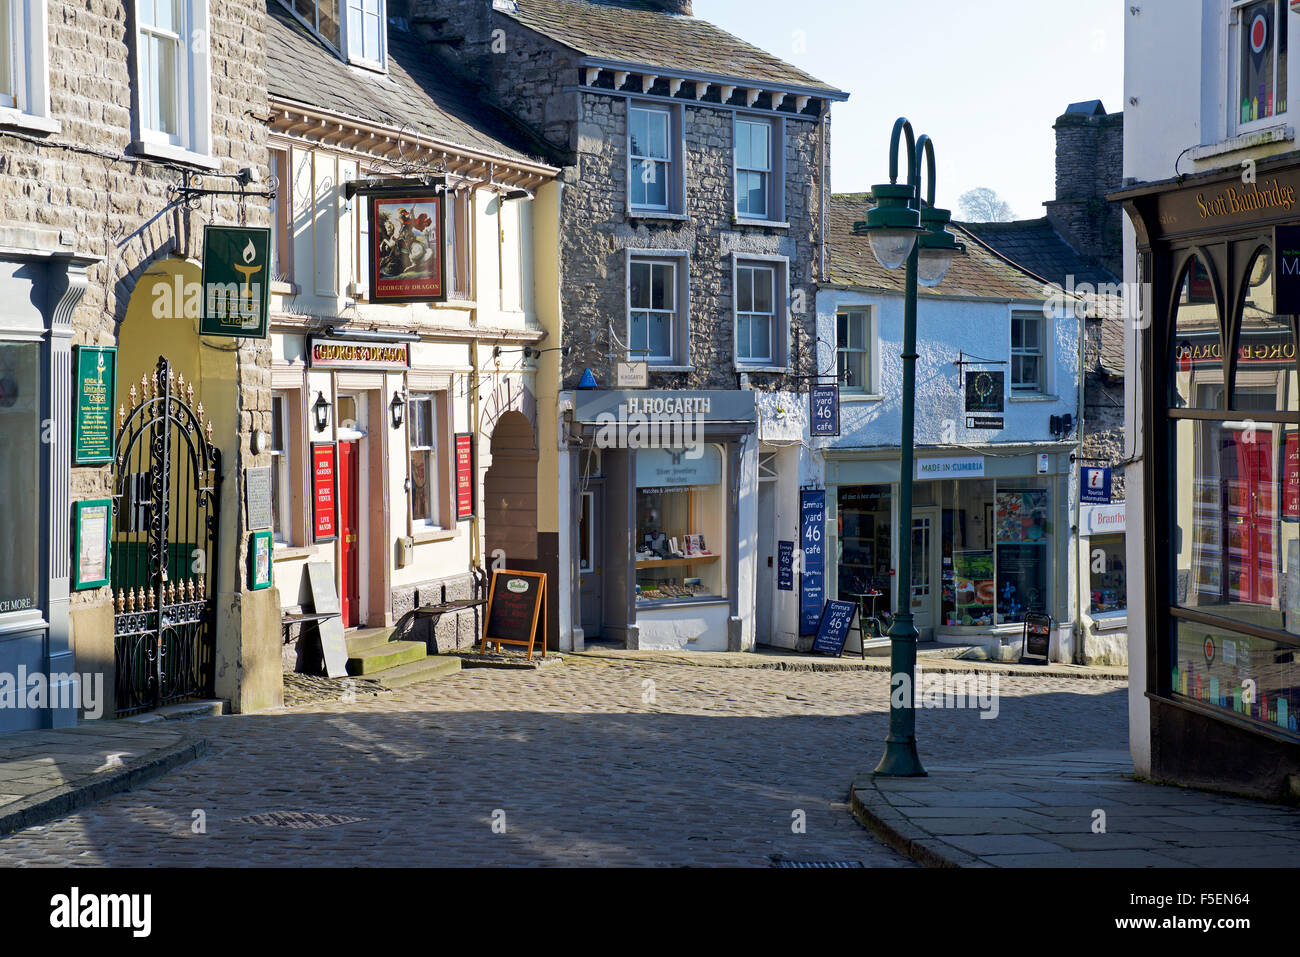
<point x="961" y="361"/>
<point x="392" y="187"/>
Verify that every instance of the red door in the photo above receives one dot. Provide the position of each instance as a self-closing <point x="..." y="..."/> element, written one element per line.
<point x="1252" y="511"/>
<point x="350" y="587"/>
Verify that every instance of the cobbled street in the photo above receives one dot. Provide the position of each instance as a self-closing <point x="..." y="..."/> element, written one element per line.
<point x="589" y="763"/>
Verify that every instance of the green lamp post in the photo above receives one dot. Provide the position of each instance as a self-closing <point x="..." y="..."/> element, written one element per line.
<point x="904" y="230"/>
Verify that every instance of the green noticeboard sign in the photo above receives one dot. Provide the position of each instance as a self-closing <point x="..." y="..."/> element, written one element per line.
<point x="95" y="391"/>
<point x="236" y="281"/>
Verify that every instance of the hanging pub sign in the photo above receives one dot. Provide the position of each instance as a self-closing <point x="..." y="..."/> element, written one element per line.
<point x="464" y="475"/>
<point x="353" y="354"/>
<point x="824" y="410"/>
<point x="812" y="513"/>
<point x="324" y="510"/>
<point x="236" y="281"/>
<point x="406" y="257"/>
<point x="1094" y="485"/>
<point x="93" y="422"/>
<point x="984" y="391"/>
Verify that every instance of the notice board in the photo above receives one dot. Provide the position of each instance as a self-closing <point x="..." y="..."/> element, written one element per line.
<point x="516" y="607"/>
<point x="1038" y="639"/>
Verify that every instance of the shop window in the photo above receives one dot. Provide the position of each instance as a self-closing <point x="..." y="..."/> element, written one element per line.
<point x="1108" y="592"/>
<point x="1258" y="40"/>
<point x="864" y="531"/>
<point x="1196" y="356"/>
<point x="283" y="447"/>
<point x="20" y="477"/>
<point x="852" y="355"/>
<point x="656" y="318"/>
<point x="24" y="70"/>
<point x="172" y="78"/>
<point x="1265" y="375"/>
<point x="969" y="577"/>
<point x="426" y="491"/>
<point x="760" y="312"/>
<point x="655" y="182"/>
<point x="681" y="525"/>
<point x="1028" y="354"/>
<point x="1254" y="677"/>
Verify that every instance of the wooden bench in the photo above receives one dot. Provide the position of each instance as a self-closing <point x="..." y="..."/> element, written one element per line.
<point x="435" y="612"/>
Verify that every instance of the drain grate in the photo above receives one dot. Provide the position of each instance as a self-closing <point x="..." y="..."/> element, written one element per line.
<point x="832" y="865"/>
<point x="302" y="820"/>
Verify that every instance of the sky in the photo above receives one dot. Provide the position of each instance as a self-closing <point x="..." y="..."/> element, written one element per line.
<point x="986" y="80"/>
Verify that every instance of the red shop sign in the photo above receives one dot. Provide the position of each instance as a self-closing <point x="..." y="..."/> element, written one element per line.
<point x="464" y="476"/>
<point x="324" y="509"/>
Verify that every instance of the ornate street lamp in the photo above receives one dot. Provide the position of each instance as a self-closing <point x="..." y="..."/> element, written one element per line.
<point x="902" y="230"/>
<point x="320" y="411"/>
<point x="396" y="409"/>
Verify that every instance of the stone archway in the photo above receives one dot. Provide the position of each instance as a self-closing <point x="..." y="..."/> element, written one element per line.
<point x="510" y="494"/>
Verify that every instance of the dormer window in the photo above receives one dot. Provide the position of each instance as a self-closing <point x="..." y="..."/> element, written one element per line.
<point x="359" y="38"/>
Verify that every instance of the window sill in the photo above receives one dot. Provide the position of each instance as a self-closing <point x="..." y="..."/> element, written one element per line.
<point x="282" y="288"/>
<point x="861" y="397"/>
<point x="434" y="535"/>
<point x="29" y="121"/>
<point x="1034" y="397"/>
<point x="176" y="154"/>
<point x="761" y="223"/>
<point x="742" y="367"/>
<point x="660" y="214"/>
<point x="1109" y="620"/>
<point x="1281" y="133"/>
<point x="653" y="367"/>
<point x="285" y="553"/>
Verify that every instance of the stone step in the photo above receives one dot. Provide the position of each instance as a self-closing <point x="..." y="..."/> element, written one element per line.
<point x="364" y="638"/>
<point x="185" y="711"/>
<point x="413" y="672"/>
<point x="388" y="655"/>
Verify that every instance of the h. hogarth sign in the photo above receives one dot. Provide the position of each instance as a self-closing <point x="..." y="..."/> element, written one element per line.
<point x="348" y="353"/>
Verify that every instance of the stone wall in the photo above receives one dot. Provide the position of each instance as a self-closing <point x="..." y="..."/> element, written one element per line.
<point x="447" y="632"/>
<point x="82" y="191"/>
<point x="1103" y="413"/>
<point x="1090" y="164"/>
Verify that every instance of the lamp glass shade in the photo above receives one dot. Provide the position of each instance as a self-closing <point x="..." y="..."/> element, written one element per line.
<point x="932" y="265"/>
<point x="892" y="246"/>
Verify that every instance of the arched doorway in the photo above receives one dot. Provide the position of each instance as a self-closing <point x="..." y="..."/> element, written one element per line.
<point x="510" y="494"/>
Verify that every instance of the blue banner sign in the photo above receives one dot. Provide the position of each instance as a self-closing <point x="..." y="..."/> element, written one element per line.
<point x="812" y="535"/>
<point x="824" y="410"/>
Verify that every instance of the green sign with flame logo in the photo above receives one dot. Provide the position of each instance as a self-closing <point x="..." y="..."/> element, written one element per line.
<point x="236" y="281"/>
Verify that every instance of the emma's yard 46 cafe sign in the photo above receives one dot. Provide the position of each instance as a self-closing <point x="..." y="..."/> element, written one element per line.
<point x="236" y="281"/>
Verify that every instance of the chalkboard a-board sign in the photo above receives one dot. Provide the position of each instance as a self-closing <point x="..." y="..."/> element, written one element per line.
<point x="516" y="603"/>
<point x="1038" y="639"/>
<point x="833" y="630"/>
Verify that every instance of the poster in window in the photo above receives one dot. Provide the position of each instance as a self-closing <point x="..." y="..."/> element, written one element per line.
<point x="1022" y="516"/>
<point x="407" y="262"/>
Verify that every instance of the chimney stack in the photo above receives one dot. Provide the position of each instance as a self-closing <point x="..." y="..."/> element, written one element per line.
<point x="672" y="6"/>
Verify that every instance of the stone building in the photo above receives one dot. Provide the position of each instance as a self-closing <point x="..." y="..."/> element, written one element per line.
<point x="692" y="220"/>
<point x="427" y="406"/>
<point x="96" y="139"/>
<point x="1077" y="247"/>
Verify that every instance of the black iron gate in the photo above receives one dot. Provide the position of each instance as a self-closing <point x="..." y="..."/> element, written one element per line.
<point x="166" y="490"/>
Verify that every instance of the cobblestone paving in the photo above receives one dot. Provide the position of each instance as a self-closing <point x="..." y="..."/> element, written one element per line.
<point x="589" y="763"/>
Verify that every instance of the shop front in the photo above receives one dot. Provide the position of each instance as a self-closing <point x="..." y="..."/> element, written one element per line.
<point x="989" y="543"/>
<point x="665" y="491"/>
<point x="1221" y="415"/>
<point x="1103" y="583"/>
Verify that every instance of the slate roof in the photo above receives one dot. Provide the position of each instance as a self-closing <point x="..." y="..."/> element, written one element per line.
<point x="979" y="273"/>
<point x="414" y="94"/>
<point x="634" y="32"/>
<point x="1035" y="245"/>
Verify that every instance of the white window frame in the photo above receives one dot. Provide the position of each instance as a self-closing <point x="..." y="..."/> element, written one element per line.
<point x="1041" y="352"/>
<point x="780" y="266"/>
<point x="29" y="65"/>
<point x="681" y="262"/>
<point x="637" y="352"/>
<point x="1236" y="36"/>
<point x="675" y="192"/>
<point x="775" y="211"/>
<point x="433" y="461"/>
<point x="345" y="48"/>
<point x="867" y="350"/>
<point x="748" y="276"/>
<point x="193" y="142"/>
<point x="282" y="467"/>
<point x="636" y="160"/>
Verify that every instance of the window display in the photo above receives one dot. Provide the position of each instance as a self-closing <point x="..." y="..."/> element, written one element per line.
<point x="680" y="528"/>
<point x="864" y="539"/>
<point x="1251" y="676"/>
<point x="1022" y="555"/>
<point x="1109" y="592"/>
